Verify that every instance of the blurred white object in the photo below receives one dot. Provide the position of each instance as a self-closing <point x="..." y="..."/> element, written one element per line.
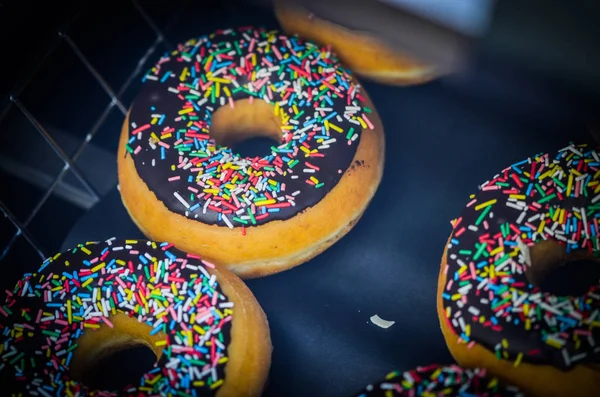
<point x="470" y="17"/>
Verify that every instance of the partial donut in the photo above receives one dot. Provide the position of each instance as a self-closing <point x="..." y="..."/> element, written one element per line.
<point x="208" y="333"/>
<point x="533" y="216"/>
<point x="182" y="180"/>
<point x="362" y="52"/>
<point x="437" y="381"/>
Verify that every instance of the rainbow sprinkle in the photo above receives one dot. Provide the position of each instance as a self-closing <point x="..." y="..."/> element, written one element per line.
<point x="73" y="293"/>
<point x="488" y="299"/>
<point x="319" y="105"/>
<point x="438" y="381"/>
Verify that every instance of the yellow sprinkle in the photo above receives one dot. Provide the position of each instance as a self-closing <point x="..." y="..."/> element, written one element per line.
<point x="185" y="111"/>
<point x="315" y="180"/>
<point x="183" y="74"/>
<point x="569" y="184"/>
<point x="208" y="92"/>
<point x="527" y="324"/>
<point x="504" y="343"/>
<point x="265" y="202"/>
<point x="485" y="204"/>
<point x="197" y="383"/>
<point x="546" y="174"/>
<point x="218" y="89"/>
<point x="220" y="381"/>
<point x="540" y="228"/>
<point x="496" y="250"/>
<point x="67" y="263"/>
<point x="161" y="314"/>
<point x="518" y="360"/>
<point x="327" y="125"/>
<point x="87" y="282"/>
<point x="518" y="196"/>
<point x="294" y="107"/>
<point x="276" y="109"/>
<point x="562" y="216"/>
<point x="98" y="267"/>
<point x="69" y="312"/>
<point x="553" y="343"/>
<point x="87" y="251"/>
<point x="362" y="122"/>
<point x="335" y="127"/>
<point x="88" y="325"/>
<point x="456" y="297"/>
<point x="55" y="257"/>
<point x="160" y="343"/>
<point x="199" y="330"/>
<point x="227" y="92"/>
<point x="212" y="191"/>
<point x="223" y="360"/>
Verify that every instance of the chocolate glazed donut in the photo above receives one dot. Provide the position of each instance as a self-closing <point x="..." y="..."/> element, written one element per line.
<point x="535" y="215"/>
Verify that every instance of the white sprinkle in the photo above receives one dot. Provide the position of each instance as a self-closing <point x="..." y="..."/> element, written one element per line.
<point x="173" y="90"/>
<point x="181" y="200"/>
<point x="227" y="221"/>
<point x="378" y="321"/>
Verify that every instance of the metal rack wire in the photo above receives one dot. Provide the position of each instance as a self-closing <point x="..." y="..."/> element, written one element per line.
<point x="69" y="161"/>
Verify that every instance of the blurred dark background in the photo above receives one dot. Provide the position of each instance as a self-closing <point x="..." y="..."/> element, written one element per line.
<point x="76" y="86"/>
<point x="71" y="68"/>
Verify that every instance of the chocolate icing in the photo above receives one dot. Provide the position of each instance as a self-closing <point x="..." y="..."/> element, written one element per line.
<point x="488" y="298"/>
<point x="42" y="318"/>
<point x="300" y="76"/>
<point x="435" y="380"/>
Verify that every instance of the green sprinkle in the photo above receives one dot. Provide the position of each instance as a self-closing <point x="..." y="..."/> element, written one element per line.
<point x="483" y="214"/>
<point x="479" y="251"/>
<point x="547" y="198"/>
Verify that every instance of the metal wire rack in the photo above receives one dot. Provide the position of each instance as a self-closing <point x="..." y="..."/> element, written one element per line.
<point x="69" y="160"/>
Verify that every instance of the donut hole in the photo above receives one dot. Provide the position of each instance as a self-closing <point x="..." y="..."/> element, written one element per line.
<point x="111" y="358"/>
<point x="556" y="272"/>
<point x="117" y="369"/>
<point x="249" y="128"/>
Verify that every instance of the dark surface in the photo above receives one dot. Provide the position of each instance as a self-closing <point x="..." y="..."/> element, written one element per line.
<point x="443" y="139"/>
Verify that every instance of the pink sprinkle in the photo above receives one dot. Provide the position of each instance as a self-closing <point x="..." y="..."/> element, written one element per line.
<point x="450" y="283"/>
<point x="231" y="102"/>
<point x="140" y="129"/>
<point x="276" y="51"/>
<point x="473" y="272"/>
<point x="61" y="322"/>
<point x="470" y="203"/>
<point x="137" y="150"/>
<point x="490" y="187"/>
<point x="251" y="46"/>
<point x="208" y="264"/>
<point x="364" y="116"/>
<point x="175" y="178"/>
<point x="107" y="322"/>
<point x="37" y="319"/>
